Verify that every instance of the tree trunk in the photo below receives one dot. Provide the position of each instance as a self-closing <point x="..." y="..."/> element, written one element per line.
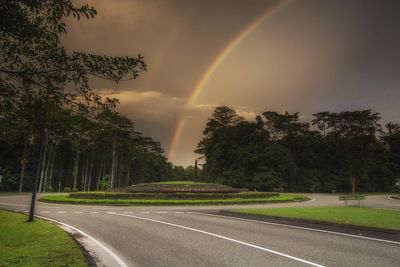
<point x="353" y="184"/>
<point x="84" y="167"/>
<point x="99" y="175"/>
<point x="90" y="175"/>
<point x="33" y="200"/>
<point x="76" y="168"/>
<point x="47" y="169"/>
<point x="52" y="166"/>
<point x="23" y="163"/>
<point x="113" y="162"/>
<point x="43" y="161"/>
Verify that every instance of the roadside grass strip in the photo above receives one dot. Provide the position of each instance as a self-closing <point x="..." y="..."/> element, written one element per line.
<point x="369" y="217"/>
<point x="37" y="243"/>
<point x="126" y="202"/>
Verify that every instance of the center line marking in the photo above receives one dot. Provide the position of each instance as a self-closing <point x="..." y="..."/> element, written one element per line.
<point x="78" y="211"/>
<point x="162" y="212"/>
<point x="61" y="211"/>
<point x="224" y="237"/>
<point x="94" y="212"/>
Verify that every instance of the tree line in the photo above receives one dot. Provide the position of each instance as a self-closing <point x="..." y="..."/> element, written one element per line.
<point x="345" y="151"/>
<point x="55" y="130"/>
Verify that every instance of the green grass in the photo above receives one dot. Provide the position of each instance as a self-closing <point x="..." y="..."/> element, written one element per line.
<point x="127" y="202"/>
<point x="379" y="218"/>
<point x="37" y="243"/>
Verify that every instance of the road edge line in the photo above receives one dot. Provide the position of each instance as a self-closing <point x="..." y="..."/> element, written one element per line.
<point x="120" y="262"/>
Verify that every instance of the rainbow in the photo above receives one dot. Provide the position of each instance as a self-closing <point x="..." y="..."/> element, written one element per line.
<point x="245" y="32"/>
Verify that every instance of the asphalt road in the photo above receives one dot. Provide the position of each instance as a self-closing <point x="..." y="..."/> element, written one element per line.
<point x="187" y="236"/>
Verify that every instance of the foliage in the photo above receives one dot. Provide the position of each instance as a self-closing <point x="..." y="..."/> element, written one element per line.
<point x="54" y="127"/>
<point x="336" y="152"/>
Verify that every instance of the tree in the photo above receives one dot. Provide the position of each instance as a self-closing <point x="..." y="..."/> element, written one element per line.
<point x="353" y="132"/>
<point x="36" y="70"/>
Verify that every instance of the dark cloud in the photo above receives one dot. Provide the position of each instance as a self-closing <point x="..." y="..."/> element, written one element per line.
<point x="310" y="56"/>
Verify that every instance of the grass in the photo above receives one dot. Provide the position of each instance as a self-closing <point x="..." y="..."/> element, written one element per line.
<point x="378" y="218"/>
<point x="127" y="202"/>
<point x="37" y="243"/>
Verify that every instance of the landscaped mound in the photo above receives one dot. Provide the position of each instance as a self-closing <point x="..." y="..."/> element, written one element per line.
<point x="178" y="195"/>
<point x="173" y="193"/>
<point x="179" y="186"/>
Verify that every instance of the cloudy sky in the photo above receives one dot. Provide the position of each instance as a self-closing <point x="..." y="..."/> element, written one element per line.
<point x="253" y="55"/>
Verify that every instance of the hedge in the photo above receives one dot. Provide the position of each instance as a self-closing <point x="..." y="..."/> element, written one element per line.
<point x="110" y="195"/>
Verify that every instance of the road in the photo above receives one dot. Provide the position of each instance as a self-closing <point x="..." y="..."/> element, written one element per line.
<point x="196" y="236"/>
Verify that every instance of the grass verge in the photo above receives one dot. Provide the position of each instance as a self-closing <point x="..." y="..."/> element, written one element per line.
<point x="377" y="218"/>
<point x="127" y="202"/>
<point x="37" y="243"/>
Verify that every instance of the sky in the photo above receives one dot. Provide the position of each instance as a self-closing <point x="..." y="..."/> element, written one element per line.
<point x="301" y="56"/>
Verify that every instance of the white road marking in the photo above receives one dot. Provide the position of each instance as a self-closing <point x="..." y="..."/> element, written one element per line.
<point x="9" y="204"/>
<point x="44" y="211"/>
<point x="145" y="212"/>
<point x="78" y="211"/>
<point x="299" y="227"/>
<point x="110" y="212"/>
<point x="162" y="212"/>
<point x="94" y="212"/>
<point x="225" y="238"/>
<point x="28" y="205"/>
<point x="106" y="249"/>
<point x="61" y="211"/>
<point x="179" y="212"/>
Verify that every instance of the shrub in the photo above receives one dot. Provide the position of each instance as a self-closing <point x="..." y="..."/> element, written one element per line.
<point x="67" y="189"/>
<point x="109" y="195"/>
<point x="50" y="189"/>
<point x="74" y="190"/>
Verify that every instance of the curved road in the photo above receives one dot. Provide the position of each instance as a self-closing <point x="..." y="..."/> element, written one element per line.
<point x="196" y="236"/>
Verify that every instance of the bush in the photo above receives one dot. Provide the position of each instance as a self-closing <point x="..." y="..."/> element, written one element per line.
<point x="110" y="195"/>
<point x="67" y="189"/>
<point x="74" y="190"/>
<point x="168" y="187"/>
<point x="50" y="189"/>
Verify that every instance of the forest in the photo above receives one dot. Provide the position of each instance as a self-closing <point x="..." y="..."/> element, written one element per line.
<point x="59" y="134"/>
<point x="345" y="151"/>
<point x="55" y="130"/>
